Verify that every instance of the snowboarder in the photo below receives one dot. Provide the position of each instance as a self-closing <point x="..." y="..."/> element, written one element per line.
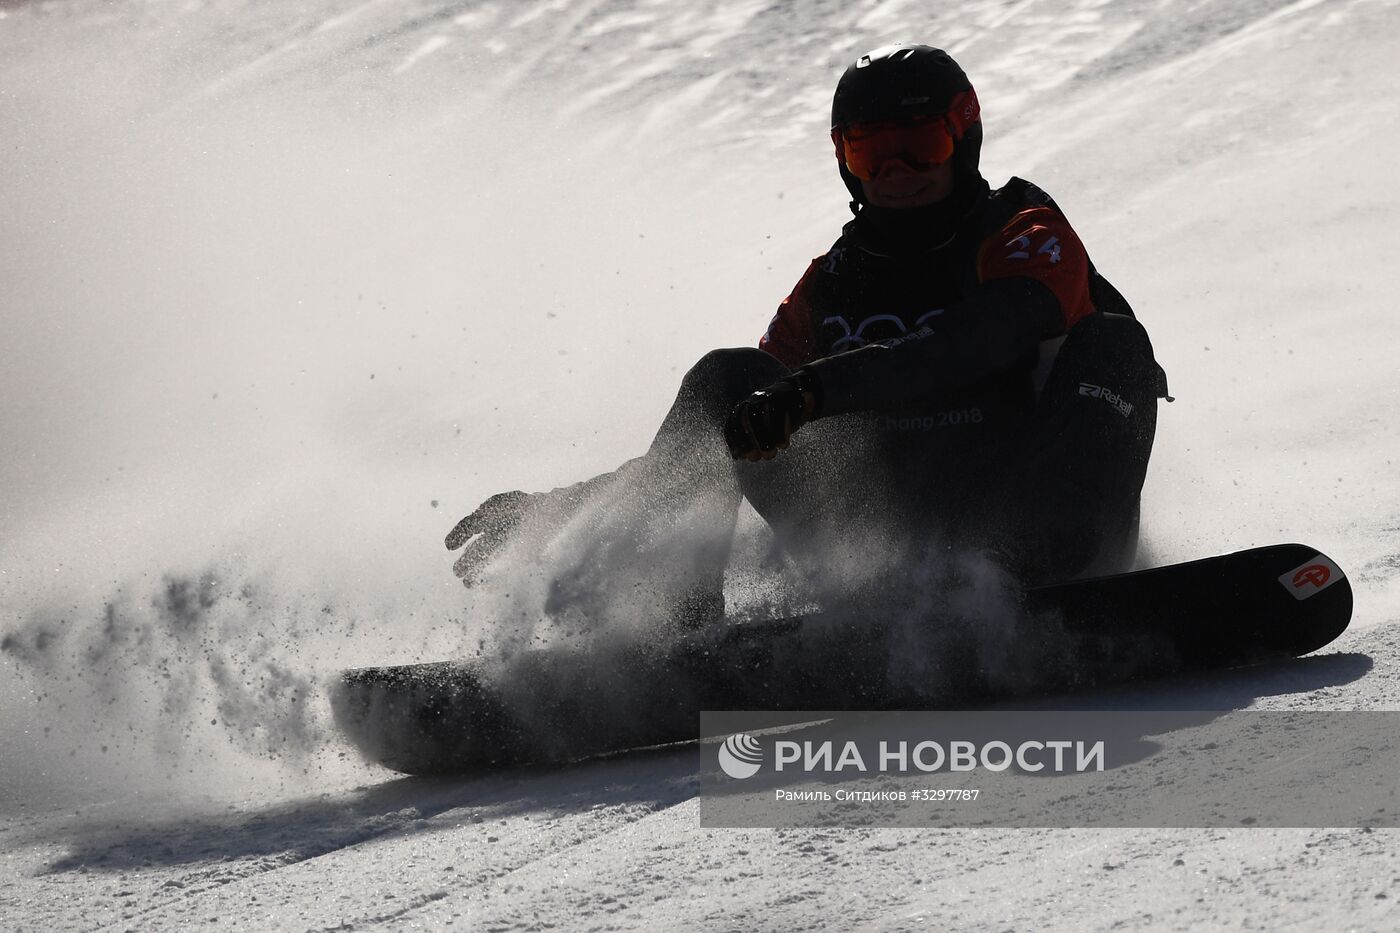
<point x="953" y="374"/>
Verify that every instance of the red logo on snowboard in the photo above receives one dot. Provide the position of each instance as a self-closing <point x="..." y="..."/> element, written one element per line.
<point x="1315" y="574"/>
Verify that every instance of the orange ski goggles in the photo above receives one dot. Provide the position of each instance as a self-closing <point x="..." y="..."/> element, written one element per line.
<point x="919" y="142"/>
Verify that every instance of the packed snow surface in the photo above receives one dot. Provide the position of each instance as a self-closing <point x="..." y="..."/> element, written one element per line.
<point x="286" y="289"/>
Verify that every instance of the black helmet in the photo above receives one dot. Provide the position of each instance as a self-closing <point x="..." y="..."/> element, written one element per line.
<point x="900" y="82"/>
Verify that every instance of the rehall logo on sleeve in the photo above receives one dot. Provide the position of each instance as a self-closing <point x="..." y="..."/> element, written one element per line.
<point x="1120" y="404"/>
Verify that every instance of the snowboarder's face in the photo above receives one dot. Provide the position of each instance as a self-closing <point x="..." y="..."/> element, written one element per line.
<point x="899" y="184"/>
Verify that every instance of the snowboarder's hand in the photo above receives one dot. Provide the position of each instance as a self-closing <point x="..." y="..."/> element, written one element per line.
<point x="763" y="424"/>
<point x="485" y="530"/>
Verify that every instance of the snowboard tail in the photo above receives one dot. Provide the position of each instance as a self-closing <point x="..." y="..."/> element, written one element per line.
<point x="563" y="703"/>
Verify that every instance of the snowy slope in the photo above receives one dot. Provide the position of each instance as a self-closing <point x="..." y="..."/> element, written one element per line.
<point x="289" y="288"/>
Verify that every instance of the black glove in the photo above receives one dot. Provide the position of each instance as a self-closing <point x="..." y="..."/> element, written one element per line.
<point x="495" y="520"/>
<point x="763" y="424"/>
<point x="485" y="530"/>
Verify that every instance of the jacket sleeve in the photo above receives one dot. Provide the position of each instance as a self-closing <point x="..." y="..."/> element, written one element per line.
<point x="1034" y="285"/>
<point x="1038" y="243"/>
<point x="999" y="326"/>
<point x="790" y="336"/>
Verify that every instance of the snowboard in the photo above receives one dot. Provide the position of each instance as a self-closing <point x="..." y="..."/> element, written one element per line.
<point x="566" y="702"/>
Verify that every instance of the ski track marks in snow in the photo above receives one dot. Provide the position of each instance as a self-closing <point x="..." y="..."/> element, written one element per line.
<point x="614" y="843"/>
<point x="256" y="868"/>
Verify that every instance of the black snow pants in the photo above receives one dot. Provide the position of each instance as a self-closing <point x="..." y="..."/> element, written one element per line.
<point x="1050" y="497"/>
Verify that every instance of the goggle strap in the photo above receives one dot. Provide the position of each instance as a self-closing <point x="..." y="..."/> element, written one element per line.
<point x="964" y="111"/>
